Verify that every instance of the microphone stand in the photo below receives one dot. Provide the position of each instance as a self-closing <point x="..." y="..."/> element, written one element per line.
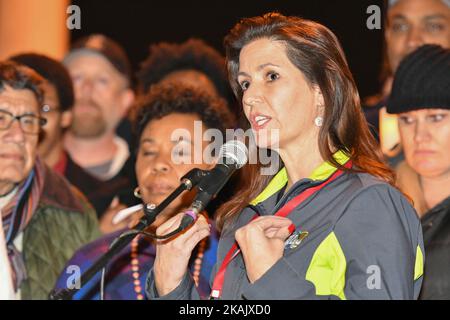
<point x="188" y="181"/>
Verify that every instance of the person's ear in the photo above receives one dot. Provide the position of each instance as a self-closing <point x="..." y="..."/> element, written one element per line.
<point x="66" y="119"/>
<point x="319" y="101"/>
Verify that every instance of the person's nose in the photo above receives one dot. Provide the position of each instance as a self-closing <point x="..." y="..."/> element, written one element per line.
<point x="84" y="89"/>
<point x="415" y="39"/>
<point x="161" y="165"/>
<point x="252" y="96"/>
<point x="421" y="132"/>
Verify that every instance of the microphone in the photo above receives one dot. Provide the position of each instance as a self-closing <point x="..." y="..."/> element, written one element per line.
<point x="233" y="155"/>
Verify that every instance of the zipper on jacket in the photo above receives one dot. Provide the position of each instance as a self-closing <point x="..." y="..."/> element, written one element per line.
<point x="294" y="188"/>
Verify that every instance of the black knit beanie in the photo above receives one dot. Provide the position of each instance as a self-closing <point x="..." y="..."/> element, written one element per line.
<point x="422" y="81"/>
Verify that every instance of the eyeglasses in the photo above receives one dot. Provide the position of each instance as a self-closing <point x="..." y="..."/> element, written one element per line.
<point x="29" y="123"/>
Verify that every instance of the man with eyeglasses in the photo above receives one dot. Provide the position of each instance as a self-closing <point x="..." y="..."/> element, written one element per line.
<point x="56" y="108"/>
<point x="44" y="219"/>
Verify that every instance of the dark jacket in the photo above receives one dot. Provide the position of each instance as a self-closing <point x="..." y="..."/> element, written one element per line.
<point x="63" y="222"/>
<point x="364" y="241"/>
<point x="436" y="236"/>
<point x="101" y="193"/>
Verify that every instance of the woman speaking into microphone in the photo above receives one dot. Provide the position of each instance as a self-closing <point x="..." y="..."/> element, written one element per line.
<point x="329" y="224"/>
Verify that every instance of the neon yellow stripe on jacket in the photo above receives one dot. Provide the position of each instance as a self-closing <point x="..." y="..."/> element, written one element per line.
<point x="418" y="269"/>
<point x="322" y="172"/>
<point x="327" y="268"/>
<point x="275" y="185"/>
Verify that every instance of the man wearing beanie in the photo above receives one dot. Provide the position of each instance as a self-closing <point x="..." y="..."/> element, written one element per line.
<point x="421" y="98"/>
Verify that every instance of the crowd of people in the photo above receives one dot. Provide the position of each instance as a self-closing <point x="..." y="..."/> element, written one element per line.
<point x="360" y="185"/>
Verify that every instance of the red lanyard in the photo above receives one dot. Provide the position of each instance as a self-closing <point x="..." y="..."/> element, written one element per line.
<point x="283" y="212"/>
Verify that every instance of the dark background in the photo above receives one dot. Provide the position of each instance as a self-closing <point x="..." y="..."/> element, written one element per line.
<point x="137" y="23"/>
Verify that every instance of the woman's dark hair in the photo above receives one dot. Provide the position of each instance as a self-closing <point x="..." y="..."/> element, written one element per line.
<point x="195" y="54"/>
<point x="52" y="71"/>
<point x="316" y="52"/>
<point x="165" y="99"/>
<point x="21" y="77"/>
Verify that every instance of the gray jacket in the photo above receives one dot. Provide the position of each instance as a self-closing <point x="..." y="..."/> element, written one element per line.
<point x="364" y="241"/>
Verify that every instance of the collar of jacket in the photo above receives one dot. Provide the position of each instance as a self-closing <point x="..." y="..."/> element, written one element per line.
<point x="322" y="172"/>
<point x="59" y="193"/>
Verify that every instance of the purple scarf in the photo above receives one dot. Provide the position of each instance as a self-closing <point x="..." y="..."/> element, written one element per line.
<point x="17" y="214"/>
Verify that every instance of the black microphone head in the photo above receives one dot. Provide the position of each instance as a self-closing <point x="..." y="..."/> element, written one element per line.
<point x="234" y="153"/>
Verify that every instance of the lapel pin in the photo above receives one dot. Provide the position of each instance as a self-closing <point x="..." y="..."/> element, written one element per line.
<point x="295" y="239"/>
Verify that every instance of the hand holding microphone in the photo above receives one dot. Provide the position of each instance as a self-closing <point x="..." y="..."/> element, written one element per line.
<point x="233" y="155"/>
<point x="172" y="256"/>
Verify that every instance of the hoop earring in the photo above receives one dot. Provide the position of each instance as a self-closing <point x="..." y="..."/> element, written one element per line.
<point x="137" y="193"/>
<point x="318" y="121"/>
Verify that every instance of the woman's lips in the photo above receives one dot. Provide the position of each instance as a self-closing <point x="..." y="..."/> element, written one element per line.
<point x="259" y="121"/>
<point x="424" y="152"/>
<point x="160" y="188"/>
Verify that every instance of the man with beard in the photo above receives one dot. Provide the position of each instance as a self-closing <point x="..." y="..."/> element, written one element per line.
<point x="101" y="75"/>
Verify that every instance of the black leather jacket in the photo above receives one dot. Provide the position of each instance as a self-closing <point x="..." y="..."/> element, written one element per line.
<point x="436" y="236"/>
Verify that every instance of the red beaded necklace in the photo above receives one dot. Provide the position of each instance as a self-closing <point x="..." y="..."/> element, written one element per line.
<point x="135" y="265"/>
<point x="135" y="268"/>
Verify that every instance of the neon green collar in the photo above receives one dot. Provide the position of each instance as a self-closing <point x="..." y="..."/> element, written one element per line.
<point x="322" y="172"/>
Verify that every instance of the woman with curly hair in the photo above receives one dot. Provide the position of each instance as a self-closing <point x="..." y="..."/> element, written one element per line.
<point x="161" y="163"/>
<point x="192" y="62"/>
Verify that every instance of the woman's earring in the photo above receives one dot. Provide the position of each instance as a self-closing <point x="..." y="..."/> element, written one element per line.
<point x="318" y="121"/>
<point x="137" y="193"/>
